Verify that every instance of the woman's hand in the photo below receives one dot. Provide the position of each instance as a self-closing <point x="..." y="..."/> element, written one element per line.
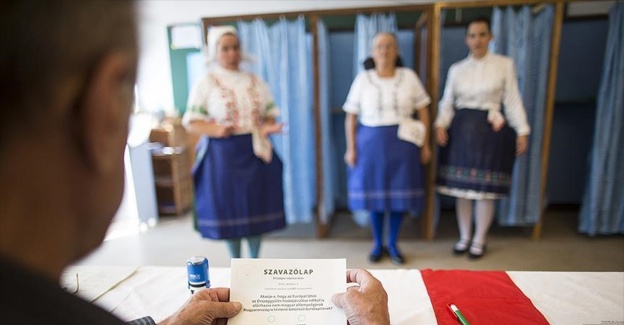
<point x="522" y="144"/>
<point x="365" y="303"/>
<point x="220" y="131"/>
<point x="211" y="129"/>
<point x="271" y="128"/>
<point x="350" y="157"/>
<point x="425" y="154"/>
<point x="497" y="122"/>
<point x="441" y="136"/>
<point x="205" y="307"/>
<point x="498" y="126"/>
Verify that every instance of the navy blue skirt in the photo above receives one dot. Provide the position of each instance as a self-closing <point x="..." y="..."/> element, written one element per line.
<point x="236" y="194"/>
<point x="476" y="158"/>
<point x="387" y="174"/>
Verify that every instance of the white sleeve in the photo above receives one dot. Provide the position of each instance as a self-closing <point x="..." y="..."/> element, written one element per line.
<point x="270" y="108"/>
<point x="512" y="101"/>
<point x="196" y="108"/>
<point x="420" y="98"/>
<point x="446" y="111"/>
<point x="353" y="103"/>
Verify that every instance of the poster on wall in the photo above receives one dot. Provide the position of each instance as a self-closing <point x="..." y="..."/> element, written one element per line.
<point x="186" y="37"/>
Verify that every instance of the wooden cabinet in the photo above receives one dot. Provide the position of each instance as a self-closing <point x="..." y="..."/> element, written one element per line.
<point x="172" y="169"/>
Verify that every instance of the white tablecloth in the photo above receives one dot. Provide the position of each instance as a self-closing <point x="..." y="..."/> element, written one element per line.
<point x="564" y="298"/>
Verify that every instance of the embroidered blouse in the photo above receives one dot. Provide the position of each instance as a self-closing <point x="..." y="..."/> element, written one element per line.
<point x="484" y="84"/>
<point x="385" y="101"/>
<point x="234" y="98"/>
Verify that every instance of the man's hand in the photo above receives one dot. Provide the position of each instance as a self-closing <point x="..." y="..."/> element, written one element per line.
<point x="365" y="303"/>
<point x="205" y="307"/>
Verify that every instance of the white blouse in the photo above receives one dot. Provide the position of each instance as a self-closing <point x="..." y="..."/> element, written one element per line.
<point x="233" y="98"/>
<point x="483" y="84"/>
<point x="385" y="101"/>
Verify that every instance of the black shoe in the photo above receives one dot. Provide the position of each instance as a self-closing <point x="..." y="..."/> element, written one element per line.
<point x="461" y="247"/>
<point x="375" y="257"/>
<point x="477" y="251"/>
<point x="396" y="257"/>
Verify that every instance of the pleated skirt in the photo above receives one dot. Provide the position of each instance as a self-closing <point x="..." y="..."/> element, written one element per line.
<point x="387" y="174"/>
<point x="236" y="193"/>
<point x="477" y="162"/>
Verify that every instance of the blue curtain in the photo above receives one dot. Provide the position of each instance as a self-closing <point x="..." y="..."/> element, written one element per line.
<point x="525" y="37"/>
<point x="282" y="58"/>
<point x="602" y="211"/>
<point x="255" y="42"/>
<point x="366" y="27"/>
<point x="329" y="155"/>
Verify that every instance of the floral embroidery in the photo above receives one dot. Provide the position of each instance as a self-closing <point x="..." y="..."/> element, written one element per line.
<point x="198" y="109"/>
<point x="254" y="97"/>
<point x="229" y="97"/>
<point x="386" y="194"/>
<point x="395" y="96"/>
<point x="247" y="113"/>
<point x="474" y="176"/>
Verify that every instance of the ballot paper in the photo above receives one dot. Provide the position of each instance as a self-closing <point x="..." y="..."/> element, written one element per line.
<point x="91" y="282"/>
<point x="412" y="131"/>
<point x="262" y="147"/>
<point x="287" y="291"/>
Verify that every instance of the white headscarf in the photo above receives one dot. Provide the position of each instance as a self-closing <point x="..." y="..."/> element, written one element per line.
<point x="214" y="35"/>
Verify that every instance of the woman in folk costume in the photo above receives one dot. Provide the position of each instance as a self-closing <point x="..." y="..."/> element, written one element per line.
<point x="479" y="142"/>
<point x="238" y="177"/>
<point x="385" y="166"/>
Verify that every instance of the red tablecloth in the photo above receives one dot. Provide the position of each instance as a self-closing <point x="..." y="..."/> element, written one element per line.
<point x="483" y="297"/>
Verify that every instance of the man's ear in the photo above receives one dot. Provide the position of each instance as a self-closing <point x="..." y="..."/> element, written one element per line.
<point x="103" y="111"/>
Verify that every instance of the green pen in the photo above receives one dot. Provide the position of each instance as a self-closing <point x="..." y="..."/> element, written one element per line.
<point x="460" y="317"/>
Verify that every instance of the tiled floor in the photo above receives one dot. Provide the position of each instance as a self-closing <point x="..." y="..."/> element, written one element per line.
<point x="561" y="248"/>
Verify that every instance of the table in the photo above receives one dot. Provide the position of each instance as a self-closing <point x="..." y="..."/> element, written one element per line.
<point x="564" y="298"/>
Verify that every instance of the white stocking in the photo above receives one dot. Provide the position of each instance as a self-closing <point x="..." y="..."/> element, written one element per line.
<point x="463" y="209"/>
<point x="485" y="215"/>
